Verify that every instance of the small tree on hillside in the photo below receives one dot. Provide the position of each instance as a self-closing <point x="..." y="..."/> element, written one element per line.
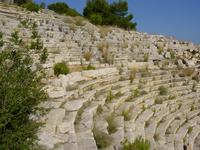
<point x="20" y="93"/>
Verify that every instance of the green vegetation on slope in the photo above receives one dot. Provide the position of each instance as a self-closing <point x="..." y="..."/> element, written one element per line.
<point x="63" y="8"/>
<point x="20" y="93"/>
<point x="138" y="144"/>
<point x="102" y="13"/>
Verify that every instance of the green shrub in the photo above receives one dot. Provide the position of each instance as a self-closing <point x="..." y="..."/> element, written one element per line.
<point x="89" y="67"/>
<point x="44" y="55"/>
<point x="36" y="44"/>
<point x="35" y="34"/>
<point x="63" y="8"/>
<point x="20" y="94"/>
<point x="61" y="68"/>
<point x="59" y="7"/>
<point x="72" y="12"/>
<point x="24" y="23"/>
<point x="96" y="19"/>
<point x="15" y="38"/>
<point x="162" y="90"/>
<point x="136" y="93"/>
<point x="105" y="13"/>
<point x="138" y="144"/>
<point x="31" y="7"/>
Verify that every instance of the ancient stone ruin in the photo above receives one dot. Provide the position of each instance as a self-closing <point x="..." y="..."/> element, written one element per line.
<point x="143" y="85"/>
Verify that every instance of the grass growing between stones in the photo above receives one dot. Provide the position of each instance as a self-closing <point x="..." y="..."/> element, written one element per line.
<point x="163" y="90"/>
<point x="190" y="130"/>
<point x="138" y="144"/>
<point x="89" y="67"/>
<point x="126" y="114"/>
<point x="102" y="139"/>
<point x="61" y="68"/>
<point x="110" y="97"/>
<point x="112" y="126"/>
<point x="132" y="74"/>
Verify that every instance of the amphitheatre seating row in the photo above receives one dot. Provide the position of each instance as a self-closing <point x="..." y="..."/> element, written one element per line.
<point x="163" y="124"/>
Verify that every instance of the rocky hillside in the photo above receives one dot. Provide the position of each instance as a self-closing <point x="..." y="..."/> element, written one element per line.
<point x="143" y="85"/>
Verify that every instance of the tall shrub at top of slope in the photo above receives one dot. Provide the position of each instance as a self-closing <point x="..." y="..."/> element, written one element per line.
<point x="63" y="8"/>
<point x="115" y="14"/>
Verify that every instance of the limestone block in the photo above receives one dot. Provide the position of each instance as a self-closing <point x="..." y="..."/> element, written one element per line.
<point x="56" y="92"/>
<point x="73" y="105"/>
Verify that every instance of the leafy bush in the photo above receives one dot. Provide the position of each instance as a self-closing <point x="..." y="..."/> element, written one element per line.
<point x="115" y="14"/>
<point x="20" y="93"/>
<point x="89" y="67"/>
<point x="61" y="68"/>
<point x="162" y="90"/>
<point x="31" y="7"/>
<point x="34" y="34"/>
<point x="36" y="44"/>
<point x="72" y="12"/>
<point x="96" y="19"/>
<point x="63" y="8"/>
<point x="138" y="144"/>
<point x="136" y="93"/>
<point x="44" y="55"/>
<point x="15" y="38"/>
<point x="59" y="7"/>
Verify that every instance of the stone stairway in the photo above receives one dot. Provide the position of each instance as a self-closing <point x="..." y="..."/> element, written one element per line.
<point x="100" y="100"/>
<point x="98" y="109"/>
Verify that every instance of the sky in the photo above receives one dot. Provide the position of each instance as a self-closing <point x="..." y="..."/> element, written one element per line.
<point x="176" y="18"/>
